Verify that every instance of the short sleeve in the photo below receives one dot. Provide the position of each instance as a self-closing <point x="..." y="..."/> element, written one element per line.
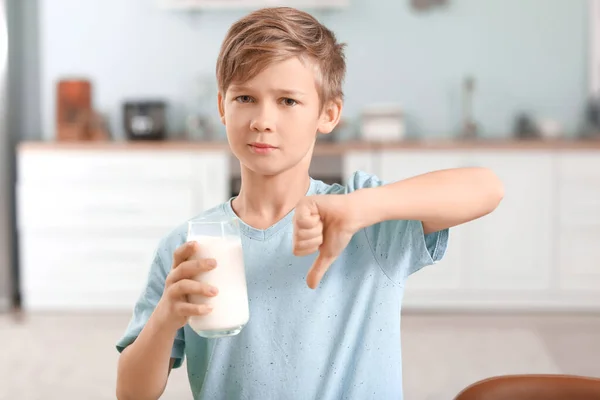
<point x="144" y="307"/>
<point x="400" y="246"/>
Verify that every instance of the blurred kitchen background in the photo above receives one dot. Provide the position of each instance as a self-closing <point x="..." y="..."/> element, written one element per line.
<point x="110" y="138"/>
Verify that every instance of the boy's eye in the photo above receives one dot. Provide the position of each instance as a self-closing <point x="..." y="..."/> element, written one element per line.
<point x="289" y="102"/>
<point x="243" y="99"/>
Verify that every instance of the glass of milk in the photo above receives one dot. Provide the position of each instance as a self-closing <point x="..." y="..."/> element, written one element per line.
<point x="219" y="238"/>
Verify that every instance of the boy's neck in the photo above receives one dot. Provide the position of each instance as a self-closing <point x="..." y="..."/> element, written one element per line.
<point x="264" y="200"/>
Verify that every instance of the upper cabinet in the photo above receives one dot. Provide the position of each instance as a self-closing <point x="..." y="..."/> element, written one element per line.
<point x="249" y="4"/>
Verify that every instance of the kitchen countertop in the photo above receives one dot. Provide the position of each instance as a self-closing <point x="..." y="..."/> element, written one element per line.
<point x="326" y="148"/>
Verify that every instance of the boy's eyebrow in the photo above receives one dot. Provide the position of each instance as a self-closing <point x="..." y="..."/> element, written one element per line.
<point x="287" y="92"/>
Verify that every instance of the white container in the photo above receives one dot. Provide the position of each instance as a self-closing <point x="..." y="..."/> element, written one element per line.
<point x="549" y="128"/>
<point x="220" y="239"/>
<point x="383" y="123"/>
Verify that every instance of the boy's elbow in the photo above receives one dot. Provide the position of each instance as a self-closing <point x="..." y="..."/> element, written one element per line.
<point x="130" y="387"/>
<point x="498" y="190"/>
<point x="495" y="189"/>
<point x="123" y="394"/>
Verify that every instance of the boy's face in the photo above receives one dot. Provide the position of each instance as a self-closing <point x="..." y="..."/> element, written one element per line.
<point x="272" y="120"/>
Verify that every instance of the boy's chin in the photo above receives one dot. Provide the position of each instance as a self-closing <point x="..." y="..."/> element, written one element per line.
<point x="271" y="170"/>
<point x="266" y="167"/>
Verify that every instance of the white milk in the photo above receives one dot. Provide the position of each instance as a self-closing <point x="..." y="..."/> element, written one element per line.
<point x="230" y="306"/>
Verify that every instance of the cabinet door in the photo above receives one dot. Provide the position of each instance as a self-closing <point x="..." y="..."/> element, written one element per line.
<point x="437" y="281"/>
<point x="84" y="269"/>
<point x="212" y="186"/>
<point x="510" y="249"/>
<point x="359" y="161"/>
<point x="59" y="206"/>
<point x="579" y="222"/>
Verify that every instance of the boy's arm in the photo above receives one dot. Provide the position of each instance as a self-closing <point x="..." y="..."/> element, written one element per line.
<point x="440" y="199"/>
<point x="144" y="365"/>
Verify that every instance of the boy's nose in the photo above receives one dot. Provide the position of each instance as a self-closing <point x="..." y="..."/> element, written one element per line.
<point x="263" y="121"/>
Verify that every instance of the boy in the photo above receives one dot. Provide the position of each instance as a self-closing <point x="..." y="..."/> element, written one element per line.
<point x="280" y="77"/>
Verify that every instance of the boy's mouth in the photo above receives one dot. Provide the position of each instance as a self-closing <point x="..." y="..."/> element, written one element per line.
<point x="261" y="148"/>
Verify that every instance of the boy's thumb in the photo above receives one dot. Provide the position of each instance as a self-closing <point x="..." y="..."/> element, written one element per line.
<point x="318" y="269"/>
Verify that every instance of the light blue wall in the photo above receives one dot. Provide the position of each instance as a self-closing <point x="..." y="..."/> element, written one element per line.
<point x="526" y="55"/>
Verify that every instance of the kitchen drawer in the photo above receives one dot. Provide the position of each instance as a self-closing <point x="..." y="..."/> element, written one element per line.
<point x="579" y="203"/>
<point x="105" y="166"/>
<point x="579" y="166"/>
<point x="578" y="264"/>
<point x="366" y="161"/>
<point x="78" y="300"/>
<point x="85" y="263"/>
<point x="46" y="206"/>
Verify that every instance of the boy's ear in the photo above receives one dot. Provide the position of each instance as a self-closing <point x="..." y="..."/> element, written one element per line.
<point x="221" y="105"/>
<point x="330" y="116"/>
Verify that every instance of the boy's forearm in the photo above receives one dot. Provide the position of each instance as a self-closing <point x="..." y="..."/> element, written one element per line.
<point x="144" y="365"/>
<point x="439" y="199"/>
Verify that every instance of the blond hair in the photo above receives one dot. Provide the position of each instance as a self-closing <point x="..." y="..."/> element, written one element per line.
<point x="276" y="34"/>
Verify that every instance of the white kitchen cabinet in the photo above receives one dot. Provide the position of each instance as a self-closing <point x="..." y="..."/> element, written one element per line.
<point x="535" y="251"/>
<point x="440" y="281"/>
<point x="402" y="164"/>
<point x="57" y="206"/>
<point x="89" y="220"/>
<point x="78" y="166"/>
<point x="84" y="270"/>
<point x="511" y="249"/>
<point x="359" y="161"/>
<point x="578" y="265"/>
<point x="579" y="223"/>
<point x="249" y="4"/>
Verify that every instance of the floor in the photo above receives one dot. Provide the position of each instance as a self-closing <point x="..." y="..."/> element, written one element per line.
<point x="47" y="357"/>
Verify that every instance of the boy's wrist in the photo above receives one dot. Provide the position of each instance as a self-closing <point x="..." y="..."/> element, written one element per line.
<point x="162" y="324"/>
<point x="363" y="208"/>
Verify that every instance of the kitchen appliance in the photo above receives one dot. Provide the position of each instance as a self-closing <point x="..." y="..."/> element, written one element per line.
<point x="591" y="122"/>
<point x="525" y="127"/>
<point x="145" y="120"/>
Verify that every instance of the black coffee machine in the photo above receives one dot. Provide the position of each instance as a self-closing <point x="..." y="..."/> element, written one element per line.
<point x="145" y="120"/>
<point x="591" y="127"/>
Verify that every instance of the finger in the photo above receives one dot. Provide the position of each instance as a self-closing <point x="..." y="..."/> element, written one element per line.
<point x="307" y="206"/>
<point x="187" y="287"/>
<point x="189" y="269"/>
<point x="309" y="233"/>
<point x="320" y="266"/>
<point x="309" y="246"/>
<point x="308" y="221"/>
<point x="191" y="310"/>
<point x="183" y="252"/>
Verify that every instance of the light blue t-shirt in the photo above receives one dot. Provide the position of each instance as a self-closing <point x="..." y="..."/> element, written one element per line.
<point x="340" y="341"/>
